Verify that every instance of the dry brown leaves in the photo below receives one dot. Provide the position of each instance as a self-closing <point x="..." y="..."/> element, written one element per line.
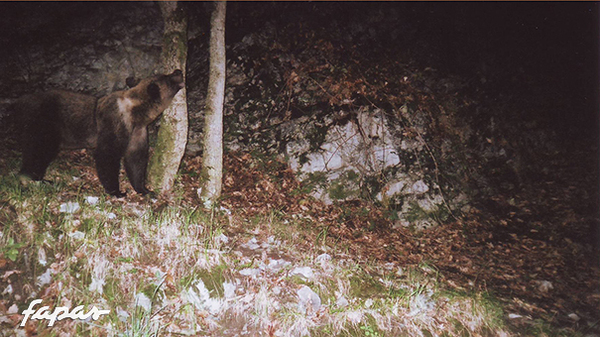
<point x="483" y="252"/>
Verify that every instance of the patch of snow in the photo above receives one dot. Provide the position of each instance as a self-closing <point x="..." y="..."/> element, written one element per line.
<point x="143" y="301"/>
<point x="8" y="290"/>
<point x="323" y="258"/>
<point x="45" y="278"/>
<point x="122" y="315"/>
<point x="341" y="302"/>
<point x="77" y="235"/>
<point x="249" y="272"/>
<point x="276" y="265"/>
<point x="252" y="244"/>
<point x="42" y="257"/>
<point x="420" y="304"/>
<point x="309" y="300"/>
<point x="228" y="290"/>
<point x="305" y="272"/>
<point x="354" y="316"/>
<point x="200" y="298"/>
<point x="222" y="238"/>
<point x="13" y="309"/>
<point x="69" y="207"/>
<point x="98" y="275"/>
<point x="91" y="200"/>
<point x="97" y="285"/>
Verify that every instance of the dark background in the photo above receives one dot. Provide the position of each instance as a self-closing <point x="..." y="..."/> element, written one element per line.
<point x="544" y="52"/>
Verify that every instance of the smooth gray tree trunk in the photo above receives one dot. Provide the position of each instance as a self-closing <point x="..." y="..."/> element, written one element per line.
<point x="172" y="135"/>
<point x="212" y="161"/>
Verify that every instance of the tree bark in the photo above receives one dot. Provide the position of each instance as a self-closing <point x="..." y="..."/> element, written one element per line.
<point x="172" y="135"/>
<point x="212" y="161"/>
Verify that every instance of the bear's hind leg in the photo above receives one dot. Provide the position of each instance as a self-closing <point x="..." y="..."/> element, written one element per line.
<point x="41" y="144"/>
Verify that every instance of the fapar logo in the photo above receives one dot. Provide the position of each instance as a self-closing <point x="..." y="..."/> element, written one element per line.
<point x="60" y="313"/>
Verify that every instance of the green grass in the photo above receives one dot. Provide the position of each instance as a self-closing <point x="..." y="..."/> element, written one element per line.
<point x="108" y="253"/>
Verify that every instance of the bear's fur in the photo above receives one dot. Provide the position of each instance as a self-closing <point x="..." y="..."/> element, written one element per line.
<point x="115" y="126"/>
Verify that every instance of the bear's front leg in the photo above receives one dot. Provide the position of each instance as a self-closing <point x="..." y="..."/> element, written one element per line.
<point x="108" y="163"/>
<point x="136" y="159"/>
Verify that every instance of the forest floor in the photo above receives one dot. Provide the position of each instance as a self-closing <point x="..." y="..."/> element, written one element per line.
<point x="537" y="249"/>
<point x="526" y="251"/>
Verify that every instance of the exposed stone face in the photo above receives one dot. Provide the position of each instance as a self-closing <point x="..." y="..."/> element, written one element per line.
<point x="126" y="42"/>
<point x="354" y="157"/>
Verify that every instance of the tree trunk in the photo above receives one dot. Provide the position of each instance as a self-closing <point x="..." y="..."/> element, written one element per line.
<point x="212" y="161"/>
<point x="172" y="135"/>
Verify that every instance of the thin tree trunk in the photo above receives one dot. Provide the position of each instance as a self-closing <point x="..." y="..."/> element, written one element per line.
<point x="172" y="135"/>
<point x="212" y="161"/>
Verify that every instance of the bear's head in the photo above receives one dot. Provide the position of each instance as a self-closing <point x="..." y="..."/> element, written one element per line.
<point x="164" y="87"/>
<point x="151" y="96"/>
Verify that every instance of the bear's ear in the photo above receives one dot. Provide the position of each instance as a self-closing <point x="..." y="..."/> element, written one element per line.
<point x="132" y="81"/>
<point x="153" y="91"/>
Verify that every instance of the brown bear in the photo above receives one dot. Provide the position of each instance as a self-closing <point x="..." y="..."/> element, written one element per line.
<point x="115" y="126"/>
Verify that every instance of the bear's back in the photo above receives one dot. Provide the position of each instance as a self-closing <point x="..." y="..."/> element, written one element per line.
<point x="72" y="112"/>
